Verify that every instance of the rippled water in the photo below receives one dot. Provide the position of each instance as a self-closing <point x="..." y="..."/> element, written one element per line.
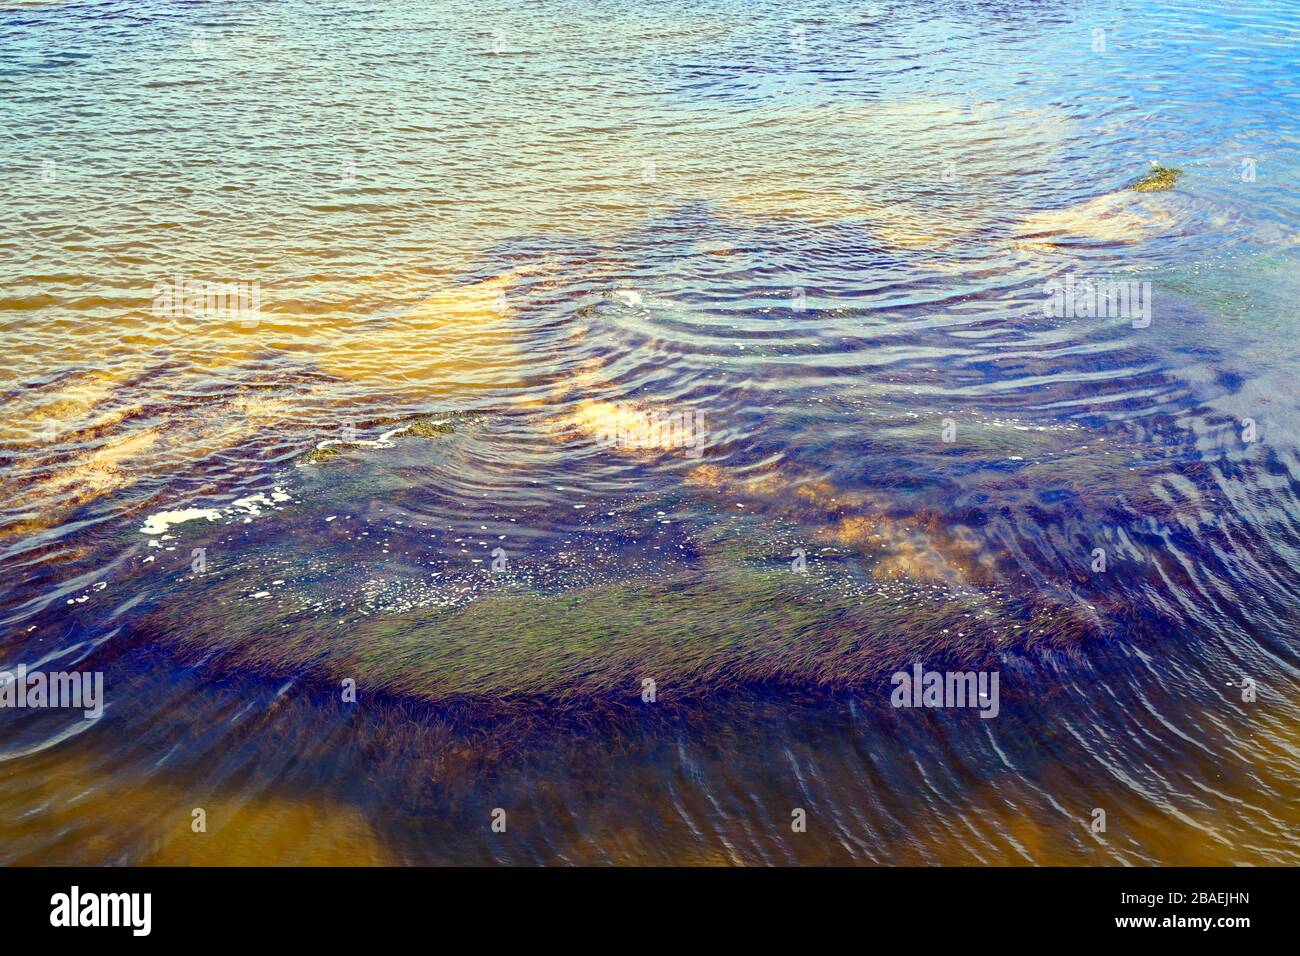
<point x="489" y="245"/>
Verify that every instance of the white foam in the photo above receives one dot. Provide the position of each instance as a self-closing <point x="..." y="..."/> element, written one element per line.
<point x="157" y="524"/>
<point x="250" y="506"/>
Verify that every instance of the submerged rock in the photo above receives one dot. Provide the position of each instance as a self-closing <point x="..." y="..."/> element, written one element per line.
<point x="1113" y="218"/>
<point x="1117" y="217"/>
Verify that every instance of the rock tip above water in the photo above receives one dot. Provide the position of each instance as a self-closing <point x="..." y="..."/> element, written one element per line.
<point x="1158" y="179"/>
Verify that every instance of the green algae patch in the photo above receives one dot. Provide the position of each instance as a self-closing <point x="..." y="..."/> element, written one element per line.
<point x="1157" y="180"/>
<point x="429" y="429"/>
<point x="421" y="429"/>
<point x="318" y="456"/>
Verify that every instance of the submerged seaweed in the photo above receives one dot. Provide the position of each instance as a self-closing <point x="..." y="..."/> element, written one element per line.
<point x="741" y="619"/>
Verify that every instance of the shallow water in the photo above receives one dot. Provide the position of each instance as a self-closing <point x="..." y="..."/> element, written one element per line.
<point x="811" y="242"/>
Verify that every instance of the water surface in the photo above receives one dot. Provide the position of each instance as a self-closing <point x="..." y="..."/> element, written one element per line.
<point x="488" y="243"/>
